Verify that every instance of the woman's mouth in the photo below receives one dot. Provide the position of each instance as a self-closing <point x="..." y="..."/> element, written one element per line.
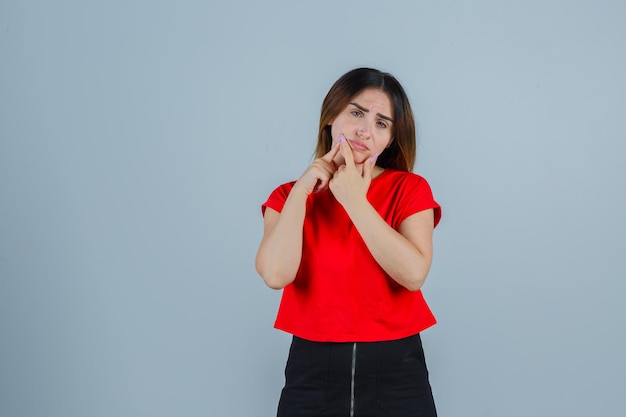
<point x="357" y="145"/>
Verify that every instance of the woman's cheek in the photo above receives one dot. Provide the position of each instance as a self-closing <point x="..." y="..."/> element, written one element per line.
<point x="380" y="149"/>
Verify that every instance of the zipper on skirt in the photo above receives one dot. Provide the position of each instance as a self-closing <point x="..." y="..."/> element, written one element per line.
<point x="352" y="380"/>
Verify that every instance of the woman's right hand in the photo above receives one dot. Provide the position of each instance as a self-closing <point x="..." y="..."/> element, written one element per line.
<point x="280" y="251"/>
<point x="319" y="173"/>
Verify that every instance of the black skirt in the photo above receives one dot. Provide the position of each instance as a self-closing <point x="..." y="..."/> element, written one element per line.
<point x="368" y="379"/>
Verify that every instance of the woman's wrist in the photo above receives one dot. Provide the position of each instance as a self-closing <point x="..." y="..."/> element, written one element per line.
<point x="359" y="208"/>
<point x="299" y="192"/>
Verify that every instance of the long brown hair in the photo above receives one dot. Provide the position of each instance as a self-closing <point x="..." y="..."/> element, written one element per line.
<point x="401" y="152"/>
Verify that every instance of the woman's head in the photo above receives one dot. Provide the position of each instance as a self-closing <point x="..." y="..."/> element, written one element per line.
<point x="400" y="153"/>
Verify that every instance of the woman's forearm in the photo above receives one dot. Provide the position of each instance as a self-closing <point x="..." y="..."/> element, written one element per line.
<point x="405" y="261"/>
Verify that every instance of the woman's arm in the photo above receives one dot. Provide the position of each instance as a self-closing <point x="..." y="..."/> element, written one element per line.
<point x="405" y="254"/>
<point x="280" y="251"/>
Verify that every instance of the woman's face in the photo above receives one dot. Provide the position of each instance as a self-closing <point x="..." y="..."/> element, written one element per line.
<point x="366" y="123"/>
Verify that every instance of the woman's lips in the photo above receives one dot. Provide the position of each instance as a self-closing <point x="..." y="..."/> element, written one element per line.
<point x="358" y="145"/>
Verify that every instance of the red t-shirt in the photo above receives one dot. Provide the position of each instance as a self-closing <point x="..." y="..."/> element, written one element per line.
<point x="340" y="293"/>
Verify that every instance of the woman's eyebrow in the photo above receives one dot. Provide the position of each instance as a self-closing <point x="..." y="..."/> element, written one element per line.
<point x="382" y="116"/>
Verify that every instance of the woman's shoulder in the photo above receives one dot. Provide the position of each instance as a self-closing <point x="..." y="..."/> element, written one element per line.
<point x="277" y="198"/>
<point x="394" y="176"/>
<point x="286" y="187"/>
<point x="409" y="190"/>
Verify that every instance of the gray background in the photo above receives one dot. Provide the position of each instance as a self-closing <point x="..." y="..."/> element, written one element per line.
<point x="139" y="138"/>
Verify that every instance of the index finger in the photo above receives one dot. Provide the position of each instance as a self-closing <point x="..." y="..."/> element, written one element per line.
<point x="346" y="151"/>
<point x="330" y="155"/>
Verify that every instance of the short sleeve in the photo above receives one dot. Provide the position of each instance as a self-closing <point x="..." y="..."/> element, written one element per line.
<point x="277" y="198"/>
<point x="417" y="196"/>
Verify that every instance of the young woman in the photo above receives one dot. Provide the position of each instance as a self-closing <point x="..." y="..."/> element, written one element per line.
<point x="350" y="244"/>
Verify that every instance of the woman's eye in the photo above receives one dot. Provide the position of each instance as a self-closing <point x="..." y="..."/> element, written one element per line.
<point x="356" y="113"/>
<point x="382" y="124"/>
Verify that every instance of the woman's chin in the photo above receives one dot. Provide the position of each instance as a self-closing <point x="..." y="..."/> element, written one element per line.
<point x="360" y="160"/>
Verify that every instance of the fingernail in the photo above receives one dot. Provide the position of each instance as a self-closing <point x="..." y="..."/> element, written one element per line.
<point x="374" y="158"/>
<point x="342" y="138"/>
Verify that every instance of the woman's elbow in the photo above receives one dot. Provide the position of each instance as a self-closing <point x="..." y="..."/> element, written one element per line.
<point x="272" y="278"/>
<point x="414" y="285"/>
<point x="414" y="280"/>
<point x="273" y="282"/>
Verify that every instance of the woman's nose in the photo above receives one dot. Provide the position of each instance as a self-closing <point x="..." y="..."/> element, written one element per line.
<point x="363" y="129"/>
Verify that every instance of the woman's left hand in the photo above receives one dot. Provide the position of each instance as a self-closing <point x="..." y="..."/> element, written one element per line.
<point x="405" y="254"/>
<point x="348" y="185"/>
